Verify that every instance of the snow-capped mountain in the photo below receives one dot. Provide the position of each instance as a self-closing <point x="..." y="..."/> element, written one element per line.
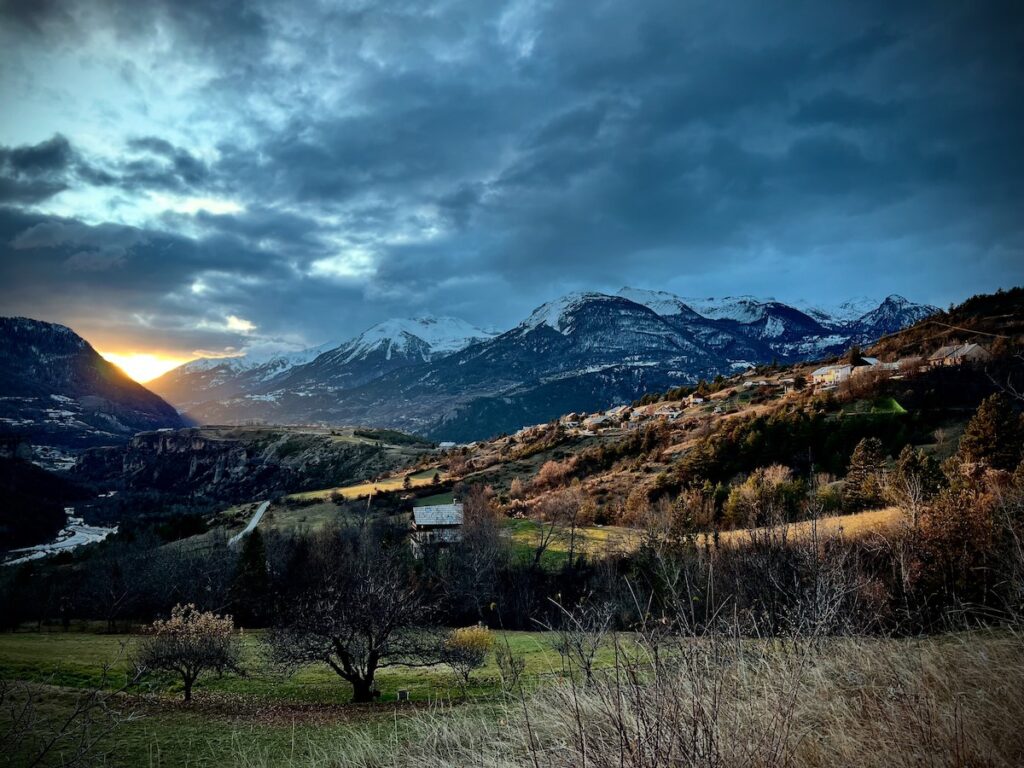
<point x="384" y="347"/>
<point x="217" y="378"/>
<point x="256" y="382"/>
<point x="793" y="332"/>
<point x="57" y="391"/>
<point x="583" y="351"/>
<point x="893" y="314"/>
<point x="424" y="337"/>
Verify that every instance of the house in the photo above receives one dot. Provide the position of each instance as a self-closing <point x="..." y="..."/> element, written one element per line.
<point x="670" y="412"/>
<point x="597" y="420"/>
<point x="870" y="364"/>
<point x="436" y="525"/>
<point x="618" y="411"/>
<point x="694" y="399"/>
<point x="830" y="376"/>
<point x="958" y="354"/>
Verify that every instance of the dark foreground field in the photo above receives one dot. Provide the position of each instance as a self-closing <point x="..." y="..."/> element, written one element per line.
<point x="947" y="700"/>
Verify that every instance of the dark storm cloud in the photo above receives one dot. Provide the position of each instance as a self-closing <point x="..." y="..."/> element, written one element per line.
<point x="484" y="158"/>
<point x="165" y="165"/>
<point x="32" y="173"/>
<point x="35" y="173"/>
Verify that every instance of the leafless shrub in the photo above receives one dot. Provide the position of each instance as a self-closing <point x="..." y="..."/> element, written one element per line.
<point x="583" y="630"/>
<point x="511" y="665"/>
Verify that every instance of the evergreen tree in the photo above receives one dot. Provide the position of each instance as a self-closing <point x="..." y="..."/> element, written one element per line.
<point x="250" y="589"/>
<point x="863" y="487"/>
<point x="994" y="435"/>
<point x="922" y="467"/>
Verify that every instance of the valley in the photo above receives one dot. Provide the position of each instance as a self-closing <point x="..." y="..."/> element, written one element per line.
<point x="645" y="539"/>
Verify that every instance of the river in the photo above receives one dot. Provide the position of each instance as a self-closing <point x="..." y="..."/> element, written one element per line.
<point x="75" y="534"/>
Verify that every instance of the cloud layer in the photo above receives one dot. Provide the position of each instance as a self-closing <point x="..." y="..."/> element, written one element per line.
<point x="205" y="176"/>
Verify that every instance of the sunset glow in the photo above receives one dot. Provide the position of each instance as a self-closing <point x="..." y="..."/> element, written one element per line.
<point x="143" y="366"/>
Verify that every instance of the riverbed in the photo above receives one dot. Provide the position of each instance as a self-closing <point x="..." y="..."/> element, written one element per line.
<point x="76" y="533"/>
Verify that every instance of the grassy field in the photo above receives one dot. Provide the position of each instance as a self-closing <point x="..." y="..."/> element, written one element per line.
<point x="360" y="490"/>
<point x="266" y="710"/>
<point x="312" y="516"/>
<point x="849" y="701"/>
<point x="437" y="498"/>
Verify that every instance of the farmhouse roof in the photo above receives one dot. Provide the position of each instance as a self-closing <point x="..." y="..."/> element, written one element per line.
<point x="437" y="514"/>
<point x="826" y="369"/>
<point x="943" y="352"/>
<point x="958" y="351"/>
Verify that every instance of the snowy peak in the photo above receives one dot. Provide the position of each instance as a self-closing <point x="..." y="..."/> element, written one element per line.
<point x="272" y="360"/>
<point x="425" y="337"/>
<point x="661" y="302"/>
<point x="893" y="314"/>
<point x="742" y="309"/>
<point x="559" y="314"/>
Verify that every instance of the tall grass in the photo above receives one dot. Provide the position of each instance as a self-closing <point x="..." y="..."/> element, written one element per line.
<point x="954" y="700"/>
<point x="792" y="675"/>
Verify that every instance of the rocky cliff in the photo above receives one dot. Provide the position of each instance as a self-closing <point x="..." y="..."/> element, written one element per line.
<point x="239" y="464"/>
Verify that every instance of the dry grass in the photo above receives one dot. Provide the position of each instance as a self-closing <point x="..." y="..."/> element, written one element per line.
<point x="947" y="701"/>
<point x="361" y="490"/>
<point x="856" y="524"/>
<point x="609" y="539"/>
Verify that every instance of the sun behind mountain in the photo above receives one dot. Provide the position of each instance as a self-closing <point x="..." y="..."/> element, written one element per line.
<point x="143" y="366"/>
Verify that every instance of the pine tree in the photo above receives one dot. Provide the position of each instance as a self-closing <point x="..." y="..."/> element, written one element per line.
<point x="994" y="435"/>
<point x="920" y="466"/>
<point x="863" y="487"/>
<point x="251" y="586"/>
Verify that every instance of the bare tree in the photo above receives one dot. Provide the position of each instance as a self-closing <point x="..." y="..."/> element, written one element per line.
<point x="189" y="644"/>
<point x="584" y="629"/>
<point x="906" y="490"/>
<point x="511" y="664"/>
<point x="470" y="570"/>
<point x="363" y="615"/>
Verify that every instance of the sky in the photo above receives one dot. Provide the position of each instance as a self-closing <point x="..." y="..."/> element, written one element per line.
<point x="200" y="177"/>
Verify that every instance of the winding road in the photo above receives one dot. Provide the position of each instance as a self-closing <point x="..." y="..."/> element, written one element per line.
<point x="253" y="522"/>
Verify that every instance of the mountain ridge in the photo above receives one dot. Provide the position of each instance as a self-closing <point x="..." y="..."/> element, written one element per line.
<point x="580" y="351"/>
<point x="57" y="389"/>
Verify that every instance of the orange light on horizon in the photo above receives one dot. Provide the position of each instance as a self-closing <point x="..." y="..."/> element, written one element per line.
<point x="143" y="366"/>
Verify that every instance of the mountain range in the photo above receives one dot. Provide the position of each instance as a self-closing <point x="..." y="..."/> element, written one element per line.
<point x="449" y="380"/>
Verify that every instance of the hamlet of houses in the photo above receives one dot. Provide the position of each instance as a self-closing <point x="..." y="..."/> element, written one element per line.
<point x="824" y="378"/>
<point x="830" y="376"/>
